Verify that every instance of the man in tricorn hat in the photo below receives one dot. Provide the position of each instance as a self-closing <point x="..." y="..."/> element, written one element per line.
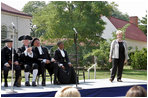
<point x="44" y="61"/>
<point x="27" y="58"/>
<point x="6" y="61"/>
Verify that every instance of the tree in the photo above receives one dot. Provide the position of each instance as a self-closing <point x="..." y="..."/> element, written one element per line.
<point x="33" y="7"/>
<point x="59" y="18"/>
<point x="118" y="14"/>
<point x="143" y="24"/>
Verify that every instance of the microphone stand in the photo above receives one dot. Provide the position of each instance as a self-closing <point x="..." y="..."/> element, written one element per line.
<point x="76" y="50"/>
<point x="12" y="72"/>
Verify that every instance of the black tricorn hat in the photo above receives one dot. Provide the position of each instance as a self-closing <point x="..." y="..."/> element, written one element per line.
<point x="32" y="43"/>
<point x="27" y="37"/>
<point x="7" y="40"/>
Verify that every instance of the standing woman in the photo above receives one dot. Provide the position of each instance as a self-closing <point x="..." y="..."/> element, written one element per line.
<point x="118" y="56"/>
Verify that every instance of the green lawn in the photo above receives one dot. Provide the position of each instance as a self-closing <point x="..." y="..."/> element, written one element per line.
<point x="102" y="74"/>
<point x="127" y="73"/>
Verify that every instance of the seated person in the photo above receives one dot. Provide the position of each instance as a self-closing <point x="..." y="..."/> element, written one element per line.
<point x="27" y="58"/>
<point x="66" y="74"/>
<point x="44" y="61"/>
<point x="6" y="61"/>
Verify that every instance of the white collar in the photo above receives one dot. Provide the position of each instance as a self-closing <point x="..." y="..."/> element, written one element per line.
<point x="61" y="49"/>
<point x="26" y="46"/>
<point x="9" y="48"/>
<point x="39" y="47"/>
<point x="118" y="41"/>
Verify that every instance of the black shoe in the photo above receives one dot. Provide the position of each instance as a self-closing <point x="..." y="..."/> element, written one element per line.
<point x="6" y="84"/>
<point x="57" y="83"/>
<point x="27" y="83"/>
<point x="119" y="80"/>
<point x="111" y="80"/>
<point x="43" y="83"/>
<point x="33" y="83"/>
<point x="16" y="84"/>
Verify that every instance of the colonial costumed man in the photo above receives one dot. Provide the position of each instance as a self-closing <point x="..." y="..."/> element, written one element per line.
<point x="66" y="74"/>
<point x="6" y="61"/>
<point x="44" y="61"/>
<point x="28" y="58"/>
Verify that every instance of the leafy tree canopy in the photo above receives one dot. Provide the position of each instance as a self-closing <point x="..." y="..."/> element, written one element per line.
<point x="143" y="24"/>
<point x="59" y="18"/>
<point x="33" y="6"/>
<point x="117" y="13"/>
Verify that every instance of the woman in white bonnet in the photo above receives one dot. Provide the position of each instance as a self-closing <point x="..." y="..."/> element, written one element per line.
<point x="118" y="56"/>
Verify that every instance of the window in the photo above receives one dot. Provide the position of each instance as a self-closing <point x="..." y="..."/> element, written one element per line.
<point x="3" y="34"/>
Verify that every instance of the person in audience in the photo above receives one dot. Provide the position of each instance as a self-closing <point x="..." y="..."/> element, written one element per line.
<point x="67" y="92"/>
<point x="118" y="56"/>
<point x="6" y="62"/>
<point x="67" y="74"/>
<point x="44" y="61"/>
<point x="27" y="58"/>
<point x="136" y="91"/>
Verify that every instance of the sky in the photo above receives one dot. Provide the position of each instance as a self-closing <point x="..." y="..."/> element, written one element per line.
<point x="131" y="7"/>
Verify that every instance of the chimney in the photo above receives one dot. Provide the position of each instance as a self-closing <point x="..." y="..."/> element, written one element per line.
<point x="134" y="20"/>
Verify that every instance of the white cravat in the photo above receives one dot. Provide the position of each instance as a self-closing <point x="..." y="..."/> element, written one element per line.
<point x="62" y="52"/>
<point x="26" y="47"/>
<point x="7" y="62"/>
<point x="26" y="53"/>
<point x="40" y="50"/>
<point x="63" y="55"/>
<point x="9" y="48"/>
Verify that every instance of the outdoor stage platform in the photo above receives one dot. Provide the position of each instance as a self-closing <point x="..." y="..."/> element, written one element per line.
<point x="91" y="88"/>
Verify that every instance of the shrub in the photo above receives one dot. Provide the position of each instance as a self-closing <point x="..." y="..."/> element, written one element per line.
<point x="139" y="59"/>
<point x="102" y="54"/>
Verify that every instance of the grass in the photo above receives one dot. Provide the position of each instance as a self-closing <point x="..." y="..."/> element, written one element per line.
<point x="102" y="74"/>
<point x="127" y="73"/>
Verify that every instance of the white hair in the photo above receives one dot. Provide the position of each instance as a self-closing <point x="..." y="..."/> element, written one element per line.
<point x="119" y="32"/>
<point x="23" y="41"/>
<point x="68" y="91"/>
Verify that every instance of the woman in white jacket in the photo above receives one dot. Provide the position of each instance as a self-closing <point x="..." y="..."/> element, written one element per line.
<point x="118" y="56"/>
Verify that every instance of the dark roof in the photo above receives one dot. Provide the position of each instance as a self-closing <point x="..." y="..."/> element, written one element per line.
<point x="132" y="32"/>
<point x="7" y="8"/>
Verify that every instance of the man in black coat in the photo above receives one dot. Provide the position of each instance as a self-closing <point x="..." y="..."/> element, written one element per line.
<point x="27" y="58"/>
<point x="67" y="75"/>
<point x="44" y="61"/>
<point x="6" y="61"/>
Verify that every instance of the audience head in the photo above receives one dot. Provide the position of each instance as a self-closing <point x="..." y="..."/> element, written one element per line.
<point x="60" y="44"/>
<point x="136" y="91"/>
<point x="67" y="92"/>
